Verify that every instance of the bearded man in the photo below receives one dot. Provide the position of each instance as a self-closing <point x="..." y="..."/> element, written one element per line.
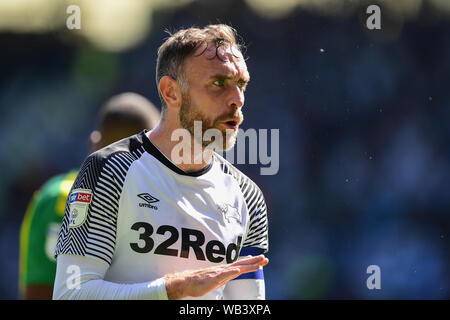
<point x="152" y="223"/>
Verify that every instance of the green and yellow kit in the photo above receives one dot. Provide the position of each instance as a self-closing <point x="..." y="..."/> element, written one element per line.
<point x="39" y="231"/>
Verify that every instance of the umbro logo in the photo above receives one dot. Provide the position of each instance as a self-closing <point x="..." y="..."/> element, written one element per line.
<point x="148" y="199"/>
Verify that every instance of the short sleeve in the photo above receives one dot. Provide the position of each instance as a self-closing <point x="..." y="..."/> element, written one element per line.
<point x="256" y="240"/>
<point x="90" y="216"/>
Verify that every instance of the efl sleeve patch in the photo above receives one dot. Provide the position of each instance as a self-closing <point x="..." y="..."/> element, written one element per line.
<point x="78" y="205"/>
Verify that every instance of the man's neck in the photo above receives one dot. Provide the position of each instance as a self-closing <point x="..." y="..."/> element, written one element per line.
<point x="194" y="161"/>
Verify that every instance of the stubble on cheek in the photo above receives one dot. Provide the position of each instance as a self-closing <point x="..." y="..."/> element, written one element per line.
<point x="189" y="113"/>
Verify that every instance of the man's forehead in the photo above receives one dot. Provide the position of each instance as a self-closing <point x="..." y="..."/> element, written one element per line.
<point x="223" y="51"/>
<point x="225" y="59"/>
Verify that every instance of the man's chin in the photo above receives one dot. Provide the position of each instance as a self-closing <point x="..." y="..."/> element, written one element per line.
<point x="226" y="143"/>
<point x="222" y="147"/>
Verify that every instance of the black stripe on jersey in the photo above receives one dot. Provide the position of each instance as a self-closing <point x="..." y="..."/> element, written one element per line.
<point x="111" y="185"/>
<point x="254" y="225"/>
<point x="103" y="172"/>
<point x="260" y="205"/>
<point x="257" y="229"/>
<point x="99" y="244"/>
<point x="77" y="246"/>
<point x="108" y="191"/>
<point x="127" y="160"/>
<point x="118" y="170"/>
<point x="116" y="173"/>
<point x="105" y="199"/>
<point x="93" y="253"/>
<point x="104" y="228"/>
<point x="104" y="214"/>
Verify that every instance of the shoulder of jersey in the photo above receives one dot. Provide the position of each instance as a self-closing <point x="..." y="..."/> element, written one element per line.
<point x="132" y="144"/>
<point x="237" y="174"/>
<point x="111" y="162"/>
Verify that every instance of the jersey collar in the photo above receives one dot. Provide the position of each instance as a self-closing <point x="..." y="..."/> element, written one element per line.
<point x="154" y="151"/>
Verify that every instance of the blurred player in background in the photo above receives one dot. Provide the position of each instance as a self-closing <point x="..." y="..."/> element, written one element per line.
<point x="142" y="225"/>
<point x="121" y="116"/>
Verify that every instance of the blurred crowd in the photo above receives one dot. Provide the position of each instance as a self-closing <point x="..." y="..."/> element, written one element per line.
<point x="364" y="174"/>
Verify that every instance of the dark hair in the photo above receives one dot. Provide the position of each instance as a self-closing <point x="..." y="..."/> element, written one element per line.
<point x="180" y="45"/>
<point x="127" y="110"/>
<point x="121" y="116"/>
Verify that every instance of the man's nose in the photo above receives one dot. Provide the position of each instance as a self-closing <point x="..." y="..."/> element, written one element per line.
<point x="236" y="97"/>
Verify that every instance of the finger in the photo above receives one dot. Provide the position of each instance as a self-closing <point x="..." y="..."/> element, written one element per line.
<point x="230" y="277"/>
<point x="249" y="268"/>
<point x="226" y="274"/>
<point x="264" y="263"/>
<point x="252" y="267"/>
<point x="241" y="270"/>
<point x="250" y="260"/>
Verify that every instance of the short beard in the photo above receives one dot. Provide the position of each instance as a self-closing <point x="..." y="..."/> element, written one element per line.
<point x="188" y="115"/>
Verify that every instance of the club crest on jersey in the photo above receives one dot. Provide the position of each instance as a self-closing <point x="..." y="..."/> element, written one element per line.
<point x="79" y="201"/>
<point x="229" y="212"/>
<point x="148" y="200"/>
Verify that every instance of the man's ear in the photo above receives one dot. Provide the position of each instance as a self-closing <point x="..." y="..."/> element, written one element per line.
<point x="170" y="91"/>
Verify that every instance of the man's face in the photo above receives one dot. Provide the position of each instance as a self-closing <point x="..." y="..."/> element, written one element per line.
<point x="215" y="93"/>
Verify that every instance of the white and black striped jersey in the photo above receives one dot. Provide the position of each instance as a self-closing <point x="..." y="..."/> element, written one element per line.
<point x="135" y="210"/>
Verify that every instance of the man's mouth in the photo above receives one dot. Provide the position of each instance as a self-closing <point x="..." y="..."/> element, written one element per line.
<point x="232" y="124"/>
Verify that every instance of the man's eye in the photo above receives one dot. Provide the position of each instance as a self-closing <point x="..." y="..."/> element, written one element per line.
<point x="242" y="84"/>
<point x="218" y="83"/>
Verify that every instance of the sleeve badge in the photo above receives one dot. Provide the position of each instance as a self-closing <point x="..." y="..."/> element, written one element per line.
<point x="78" y="205"/>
